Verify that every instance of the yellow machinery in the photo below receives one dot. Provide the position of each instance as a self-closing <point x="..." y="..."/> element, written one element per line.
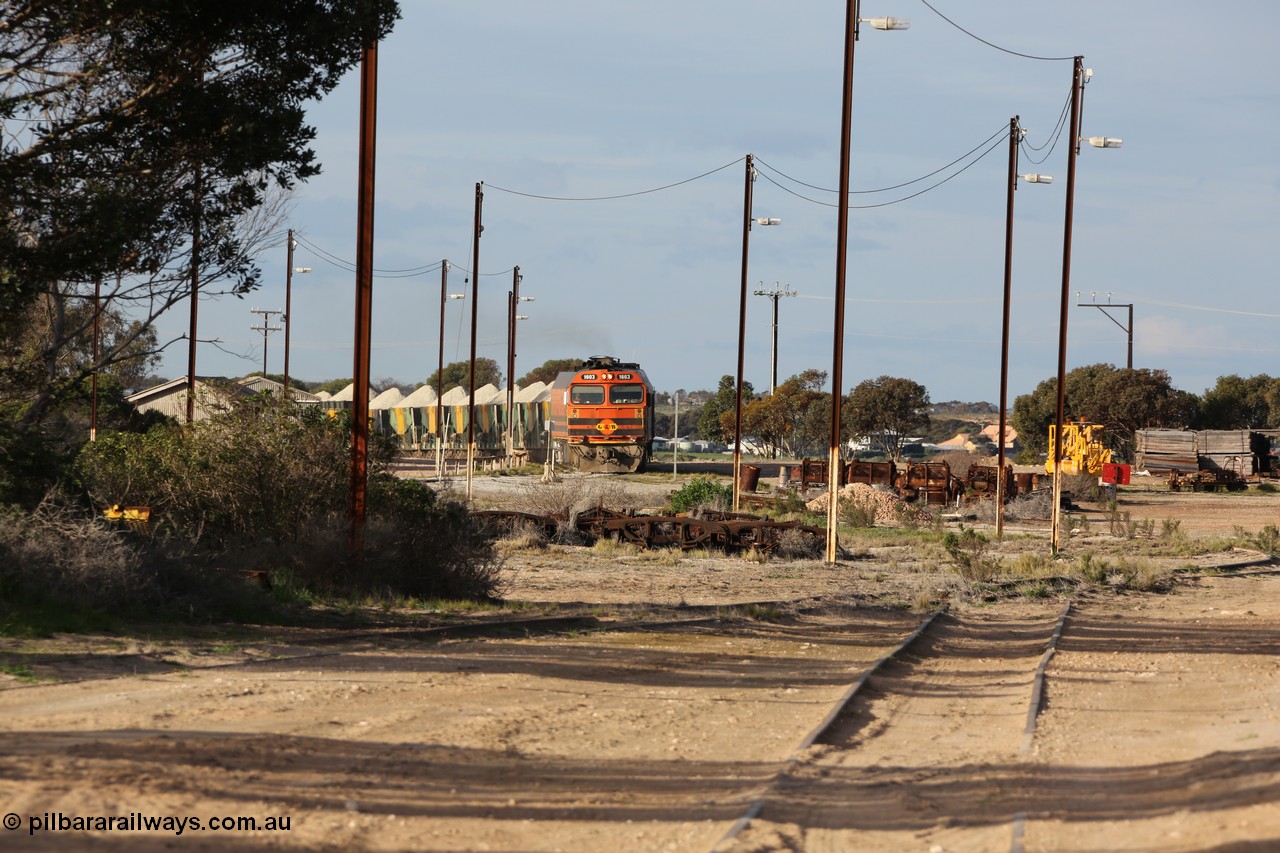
<point x="1082" y="449"/>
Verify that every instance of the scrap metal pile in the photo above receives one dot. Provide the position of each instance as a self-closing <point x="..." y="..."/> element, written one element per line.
<point x="722" y="531"/>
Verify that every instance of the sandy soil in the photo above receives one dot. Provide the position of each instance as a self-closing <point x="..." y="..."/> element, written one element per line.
<point x="662" y="714"/>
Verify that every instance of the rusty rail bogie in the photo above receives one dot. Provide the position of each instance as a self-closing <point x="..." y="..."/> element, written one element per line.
<point x="720" y="531"/>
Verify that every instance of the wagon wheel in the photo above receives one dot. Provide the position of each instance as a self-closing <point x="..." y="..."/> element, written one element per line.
<point x="637" y="531"/>
<point x="702" y="534"/>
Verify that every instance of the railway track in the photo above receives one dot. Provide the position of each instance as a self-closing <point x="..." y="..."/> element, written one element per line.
<point x="865" y="778"/>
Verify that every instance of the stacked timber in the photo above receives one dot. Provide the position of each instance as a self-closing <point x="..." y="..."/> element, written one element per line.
<point x="1159" y="451"/>
<point x="1225" y="450"/>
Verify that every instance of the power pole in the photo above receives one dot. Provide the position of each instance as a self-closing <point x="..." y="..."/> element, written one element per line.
<point x="1103" y="306"/>
<point x="266" y="328"/>
<point x="775" y="295"/>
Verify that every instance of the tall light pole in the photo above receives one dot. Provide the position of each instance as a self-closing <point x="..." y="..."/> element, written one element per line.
<point x="1126" y="328"/>
<point x="362" y="340"/>
<point x="290" y="269"/>
<point x="444" y="297"/>
<point x="93" y="393"/>
<point x="742" y="321"/>
<point x="1078" y="80"/>
<point x="842" y="242"/>
<point x="513" y="306"/>
<point x="1015" y="136"/>
<point x="195" y="294"/>
<point x="475" y="302"/>
<point x="775" y="295"/>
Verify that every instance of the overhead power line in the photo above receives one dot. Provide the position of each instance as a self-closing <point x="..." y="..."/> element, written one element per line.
<point x="991" y="44"/>
<point x="620" y="195"/>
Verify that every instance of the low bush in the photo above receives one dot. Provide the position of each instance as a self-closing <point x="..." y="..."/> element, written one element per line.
<point x="70" y="565"/>
<point x="968" y="550"/>
<point x="266" y="486"/>
<point x="701" y="492"/>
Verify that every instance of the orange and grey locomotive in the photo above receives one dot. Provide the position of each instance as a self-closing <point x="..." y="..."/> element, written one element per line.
<point x="602" y="415"/>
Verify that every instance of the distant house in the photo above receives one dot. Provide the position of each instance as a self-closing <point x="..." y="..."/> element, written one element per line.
<point x="213" y="395"/>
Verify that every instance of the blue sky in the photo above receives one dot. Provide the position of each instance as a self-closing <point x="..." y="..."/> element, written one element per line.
<point x="579" y="100"/>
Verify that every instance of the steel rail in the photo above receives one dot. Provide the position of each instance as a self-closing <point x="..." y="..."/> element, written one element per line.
<point x="850" y="693"/>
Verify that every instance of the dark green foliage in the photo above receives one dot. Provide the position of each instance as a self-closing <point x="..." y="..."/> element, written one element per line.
<point x="1122" y="400"/>
<point x="266" y="486"/>
<point x="458" y="375"/>
<point x="62" y="567"/>
<point x="710" y="420"/>
<point x="886" y="410"/>
<point x="700" y="492"/>
<point x="548" y="371"/>
<point x="130" y="125"/>
<point x="261" y="471"/>
<point x="30" y="464"/>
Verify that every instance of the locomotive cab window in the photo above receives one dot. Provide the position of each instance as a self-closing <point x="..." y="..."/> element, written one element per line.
<point x="626" y="395"/>
<point x="586" y="395"/>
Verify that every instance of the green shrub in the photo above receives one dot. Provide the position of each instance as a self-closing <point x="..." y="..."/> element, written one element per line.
<point x="701" y="492"/>
<point x="857" y="513"/>
<point x="266" y="486"/>
<point x="67" y="568"/>
<point x="1266" y="540"/>
<point x="968" y="550"/>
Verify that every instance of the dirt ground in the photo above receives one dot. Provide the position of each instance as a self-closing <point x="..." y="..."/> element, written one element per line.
<point x="648" y="713"/>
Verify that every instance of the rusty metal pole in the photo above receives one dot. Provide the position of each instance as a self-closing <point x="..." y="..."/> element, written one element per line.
<point x="742" y="332"/>
<point x="288" y="312"/>
<point x="475" y="303"/>
<point x="93" y="392"/>
<point x="842" y="242"/>
<point x="513" y="296"/>
<point x="364" y="295"/>
<point x="1073" y="150"/>
<point x="195" y="297"/>
<point x="444" y="296"/>
<point x="1015" y="134"/>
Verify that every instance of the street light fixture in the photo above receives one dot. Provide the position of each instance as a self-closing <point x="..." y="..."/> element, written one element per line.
<point x="842" y="242"/>
<point x="1016" y="133"/>
<point x="1079" y="77"/>
<point x="747" y="221"/>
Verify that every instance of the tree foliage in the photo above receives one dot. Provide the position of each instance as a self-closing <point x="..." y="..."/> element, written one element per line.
<point x="795" y="419"/>
<point x="1123" y="400"/>
<point x="548" y="371"/>
<point x="710" y="422"/>
<point x="1237" y="402"/>
<point x="457" y="374"/>
<point x="886" y="410"/>
<point x="131" y="125"/>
